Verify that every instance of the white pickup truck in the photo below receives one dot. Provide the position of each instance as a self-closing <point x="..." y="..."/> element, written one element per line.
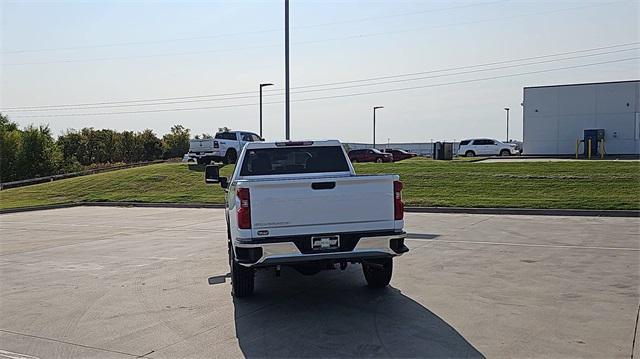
<point x="301" y="204"/>
<point x="224" y="147"/>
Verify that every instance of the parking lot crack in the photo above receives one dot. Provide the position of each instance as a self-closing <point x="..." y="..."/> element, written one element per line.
<point x="635" y="333"/>
<point x="70" y="343"/>
<point x="145" y="354"/>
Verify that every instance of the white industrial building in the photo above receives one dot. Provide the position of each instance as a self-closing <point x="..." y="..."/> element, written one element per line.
<point x="554" y="117"/>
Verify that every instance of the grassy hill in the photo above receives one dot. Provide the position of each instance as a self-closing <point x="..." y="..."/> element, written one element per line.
<point x="577" y="185"/>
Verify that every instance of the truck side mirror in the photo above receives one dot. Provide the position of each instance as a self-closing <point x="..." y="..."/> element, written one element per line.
<point x="224" y="182"/>
<point x="211" y="174"/>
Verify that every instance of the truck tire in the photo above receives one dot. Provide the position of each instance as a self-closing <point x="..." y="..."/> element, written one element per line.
<point x="470" y="154"/>
<point x="242" y="279"/>
<point x="378" y="160"/>
<point x="204" y="160"/>
<point x="230" y="157"/>
<point x="378" y="272"/>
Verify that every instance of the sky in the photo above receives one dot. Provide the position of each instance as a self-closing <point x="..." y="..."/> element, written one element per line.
<point x="443" y="70"/>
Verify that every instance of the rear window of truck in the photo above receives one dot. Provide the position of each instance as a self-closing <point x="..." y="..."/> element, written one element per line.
<point x="290" y="160"/>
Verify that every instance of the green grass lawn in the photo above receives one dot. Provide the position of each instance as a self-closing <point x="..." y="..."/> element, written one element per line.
<point x="575" y="185"/>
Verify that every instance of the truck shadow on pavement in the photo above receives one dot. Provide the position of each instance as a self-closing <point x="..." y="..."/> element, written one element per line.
<point x="333" y="314"/>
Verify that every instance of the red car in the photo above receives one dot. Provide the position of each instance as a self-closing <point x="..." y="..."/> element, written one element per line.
<point x="370" y="155"/>
<point x="399" y="155"/>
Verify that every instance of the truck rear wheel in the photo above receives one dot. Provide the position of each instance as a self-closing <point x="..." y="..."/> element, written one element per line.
<point x="242" y="279"/>
<point x="378" y="272"/>
<point x="230" y="157"/>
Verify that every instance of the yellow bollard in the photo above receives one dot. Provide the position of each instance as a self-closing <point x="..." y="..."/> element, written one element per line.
<point x="589" y="150"/>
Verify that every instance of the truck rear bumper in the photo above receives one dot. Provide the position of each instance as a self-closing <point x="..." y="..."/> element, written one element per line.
<point x="281" y="251"/>
<point x="204" y="156"/>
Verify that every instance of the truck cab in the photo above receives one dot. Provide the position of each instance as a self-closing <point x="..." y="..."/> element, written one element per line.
<point x="224" y="147"/>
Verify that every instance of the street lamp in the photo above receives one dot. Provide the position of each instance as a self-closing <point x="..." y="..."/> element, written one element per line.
<point x="374" y="124"/>
<point x="261" y="86"/>
<point x="507" y="109"/>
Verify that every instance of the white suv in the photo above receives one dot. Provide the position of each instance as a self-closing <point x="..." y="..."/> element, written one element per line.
<point x="486" y="147"/>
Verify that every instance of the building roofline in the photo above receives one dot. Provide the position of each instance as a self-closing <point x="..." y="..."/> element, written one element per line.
<point x="583" y="84"/>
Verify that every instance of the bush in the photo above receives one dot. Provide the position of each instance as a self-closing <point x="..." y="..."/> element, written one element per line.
<point x="27" y="153"/>
<point x="33" y="152"/>
<point x="176" y="143"/>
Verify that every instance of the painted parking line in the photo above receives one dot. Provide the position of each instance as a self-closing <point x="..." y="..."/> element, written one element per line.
<point x="11" y="355"/>
<point x="525" y="244"/>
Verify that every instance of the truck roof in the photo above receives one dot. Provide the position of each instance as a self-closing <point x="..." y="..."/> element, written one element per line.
<point x="236" y="131"/>
<point x="305" y="143"/>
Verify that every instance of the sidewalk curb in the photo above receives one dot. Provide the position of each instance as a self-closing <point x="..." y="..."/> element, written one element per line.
<point x="464" y="210"/>
<point x="152" y="205"/>
<point x="527" y="211"/>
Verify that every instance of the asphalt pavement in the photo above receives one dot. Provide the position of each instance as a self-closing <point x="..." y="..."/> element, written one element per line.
<point x="153" y="282"/>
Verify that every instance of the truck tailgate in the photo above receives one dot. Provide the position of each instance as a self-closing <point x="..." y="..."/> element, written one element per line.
<point x="322" y="205"/>
<point x="201" y="145"/>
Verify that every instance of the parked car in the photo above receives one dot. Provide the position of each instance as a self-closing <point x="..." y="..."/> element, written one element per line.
<point x="399" y="155"/>
<point x="370" y="155"/>
<point x="485" y="147"/>
<point x="224" y="147"/>
<point x="301" y="204"/>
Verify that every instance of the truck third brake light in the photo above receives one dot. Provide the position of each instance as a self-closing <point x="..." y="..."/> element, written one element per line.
<point x="294" y="143"/>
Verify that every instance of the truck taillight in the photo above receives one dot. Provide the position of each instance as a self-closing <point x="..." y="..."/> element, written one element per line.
<point x="398" y="206"/>
<point x="244" y="210"/>
<point x="216" y="144"/>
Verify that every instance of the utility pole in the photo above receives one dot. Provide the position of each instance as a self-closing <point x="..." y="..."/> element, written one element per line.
<point x="286" y="70"/>
<point x="507" y="109"/>
<point x="374" y="124"/>
<point x="261" y="86"/>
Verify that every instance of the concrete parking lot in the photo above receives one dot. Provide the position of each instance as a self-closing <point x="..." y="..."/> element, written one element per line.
<point x="153" y="283"/>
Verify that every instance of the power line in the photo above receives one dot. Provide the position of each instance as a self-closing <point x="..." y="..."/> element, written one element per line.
<point x="99" y="59"/>
<point x="130" y="43"/>
<point x="224" y="96"/>
<point x="339" y="96"/>
<point x="331" y="88"/>
<point x="356" y="36"/>
<point x="401" y="15"/>
<point x="468" y="81"/>
<point x="470" y="66"/>
<point x="466" y="72"/>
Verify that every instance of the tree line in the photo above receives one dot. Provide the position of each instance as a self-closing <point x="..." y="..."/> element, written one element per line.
<point x="33" y="151"/>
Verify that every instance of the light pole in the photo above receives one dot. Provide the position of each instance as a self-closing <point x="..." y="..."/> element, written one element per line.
<point x="261" y="86"/>
<point x="286" y="70"/>
<point x="507" y="109"/>
<point x="374" y="124"/>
